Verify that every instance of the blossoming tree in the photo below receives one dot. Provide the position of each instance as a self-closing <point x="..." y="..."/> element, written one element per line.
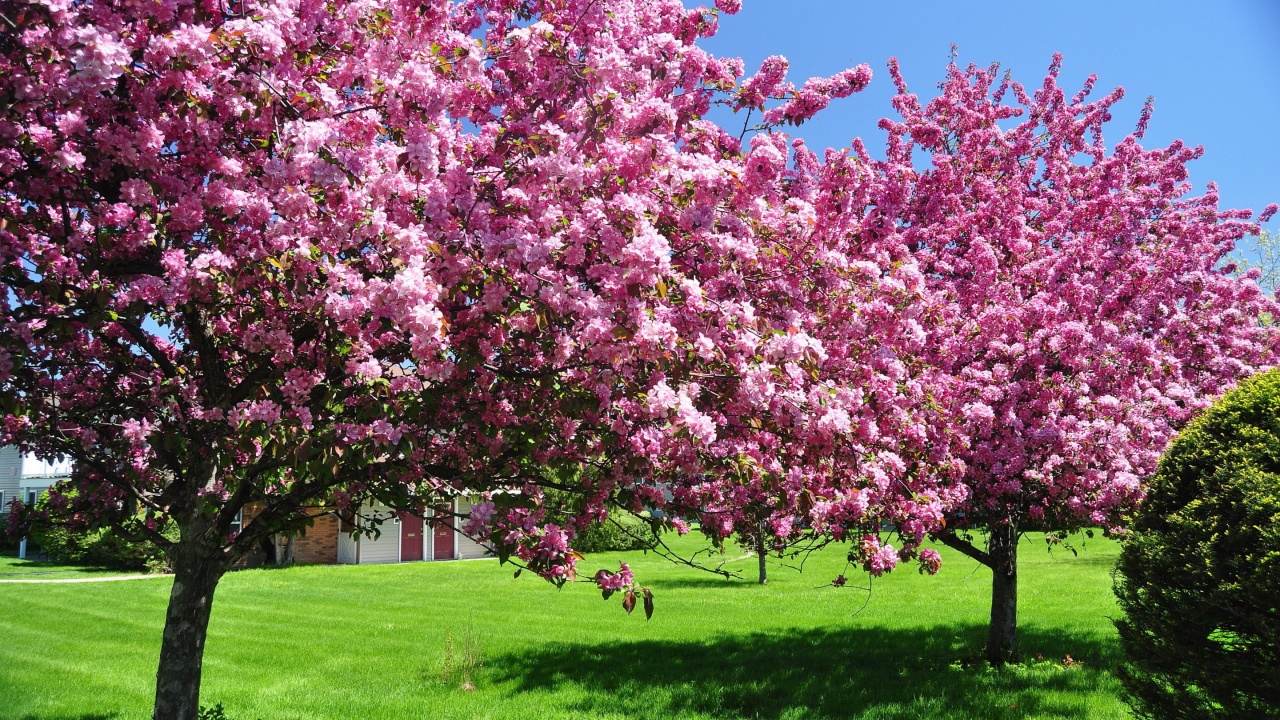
<point x="884" y="446"/>
<point x="298" y="254"/>
<point x="1085" y="318"/>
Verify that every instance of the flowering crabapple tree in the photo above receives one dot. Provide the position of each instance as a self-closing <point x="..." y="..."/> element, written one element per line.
<point x="882" y="449"/>
<point x="302" y="254"/>
<point x="1085" y="319"/>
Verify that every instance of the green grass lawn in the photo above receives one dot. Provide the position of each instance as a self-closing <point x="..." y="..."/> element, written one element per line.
<point x="11" y="568"/>
<point x="370" y="642"/>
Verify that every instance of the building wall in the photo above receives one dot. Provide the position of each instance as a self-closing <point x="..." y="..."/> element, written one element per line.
<point x="43" y="473"/>
<point x="20" y="473"/>
<point x="10" y="475"/>
<point x="468" y="548"/>
<point x="317" y="544"/>
<point x="348" y="547"/>
<point x="330" y="541"/>
<point x="386" y="547"/>
<point x="327" y="541"/>
<point x="320" y="543"/>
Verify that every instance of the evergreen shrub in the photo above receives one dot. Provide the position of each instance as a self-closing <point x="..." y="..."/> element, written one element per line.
<point x="1198" y="578"/>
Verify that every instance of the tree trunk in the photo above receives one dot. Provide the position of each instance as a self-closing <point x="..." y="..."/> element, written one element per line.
<point x="1002" y="633"/>
<point x="186" y="622"/>
<point x="761" y="554"/>
<point x="287" y="554"/>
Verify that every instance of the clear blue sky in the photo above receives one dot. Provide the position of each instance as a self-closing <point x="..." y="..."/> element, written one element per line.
<point x="1213" y="67"/>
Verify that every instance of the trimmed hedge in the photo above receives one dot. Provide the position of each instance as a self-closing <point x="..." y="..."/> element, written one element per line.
<point x="1198" y="579"/>
<point x="102" y="548"/>
<point x="634" y="534"/>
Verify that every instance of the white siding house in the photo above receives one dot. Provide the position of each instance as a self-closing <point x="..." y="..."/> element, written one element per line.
<point x="24" y="477"/>
<point x="467" y="548"/>
<point x="408" y="538"/>
<point x="10" y="471"/>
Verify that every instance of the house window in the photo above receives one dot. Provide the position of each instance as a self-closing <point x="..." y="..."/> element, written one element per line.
<point x="32" y="497"/>
<point x="3" y="509"/>
<point x="237" y="523"/>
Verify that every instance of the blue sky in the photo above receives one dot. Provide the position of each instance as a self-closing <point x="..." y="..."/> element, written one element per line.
<point x="1213" y="67"/>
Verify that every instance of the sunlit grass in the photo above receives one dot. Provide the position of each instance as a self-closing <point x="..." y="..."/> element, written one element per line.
<point x="370" y="642"/>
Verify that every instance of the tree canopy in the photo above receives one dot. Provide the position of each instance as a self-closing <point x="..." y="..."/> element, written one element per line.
<point x="300" y="253"/>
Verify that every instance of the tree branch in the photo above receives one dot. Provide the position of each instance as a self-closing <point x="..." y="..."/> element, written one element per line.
<point x="146" y="343"/>
<point x="216" y="384"/>
<point x="953" y="541"/>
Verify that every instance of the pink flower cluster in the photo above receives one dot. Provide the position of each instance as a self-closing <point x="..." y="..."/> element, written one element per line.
<point x="614" y="581"/>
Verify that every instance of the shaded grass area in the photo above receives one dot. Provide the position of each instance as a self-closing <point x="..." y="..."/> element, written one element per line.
<point x="862" y="673"/>
<point x="11" y="568"/>
<point x="466" y="640"/>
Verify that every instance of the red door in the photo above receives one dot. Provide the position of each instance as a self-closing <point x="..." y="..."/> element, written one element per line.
<point x="443" y="540"/>
<point x="410" y="537"/>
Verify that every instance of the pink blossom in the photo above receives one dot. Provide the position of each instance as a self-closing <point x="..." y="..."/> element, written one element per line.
<point x="69" y="158"/>
<point x="610" y="581"/>
<point x="135" y="431"/>
<point x="136" y="192"/>
<point x="930" y="561"/>
<point x="882" y="561"/>
<point x="661" y="398"/>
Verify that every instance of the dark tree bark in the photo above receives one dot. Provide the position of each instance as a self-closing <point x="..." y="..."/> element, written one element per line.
<point x="1001" y="556"/>
<point x="760" y="553"/>
<point x="196" y="576"/>
<point x="1002" y="633"/>
<point x="277" y="549"/>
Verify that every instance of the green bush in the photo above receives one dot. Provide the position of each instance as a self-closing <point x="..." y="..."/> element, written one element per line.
<point x="1198" y="579"/>
<point x="102" y="547"/>
<point x="622" y="531"/>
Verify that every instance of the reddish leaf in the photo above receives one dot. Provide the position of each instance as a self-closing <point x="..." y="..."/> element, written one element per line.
<point x="629" y="602"/>
<point x="648" y="604"/>
<point x="805" y="501"/>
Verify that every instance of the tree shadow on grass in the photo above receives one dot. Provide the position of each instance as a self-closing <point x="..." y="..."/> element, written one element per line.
<point x="88" y="716"/>
<point x="850" y="673"/>
<point x="708" y="582"/>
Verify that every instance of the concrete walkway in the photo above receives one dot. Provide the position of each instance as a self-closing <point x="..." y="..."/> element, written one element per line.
<point x="108" y="578"/>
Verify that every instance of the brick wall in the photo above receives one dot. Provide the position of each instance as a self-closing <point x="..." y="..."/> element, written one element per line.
<point x="318" y="544"/>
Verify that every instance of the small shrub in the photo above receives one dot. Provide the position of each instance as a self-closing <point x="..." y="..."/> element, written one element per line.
<point x="212" y="712"/>
<point x="622" y="531"/>
<point x="1198" y="579"/>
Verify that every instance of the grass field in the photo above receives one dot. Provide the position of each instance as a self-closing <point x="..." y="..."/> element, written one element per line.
<point x="395" y="641"/>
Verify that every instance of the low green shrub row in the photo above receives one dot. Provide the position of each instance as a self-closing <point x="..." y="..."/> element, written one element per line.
<point x="622" y="531"/>
<point x="101" y="547"/>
